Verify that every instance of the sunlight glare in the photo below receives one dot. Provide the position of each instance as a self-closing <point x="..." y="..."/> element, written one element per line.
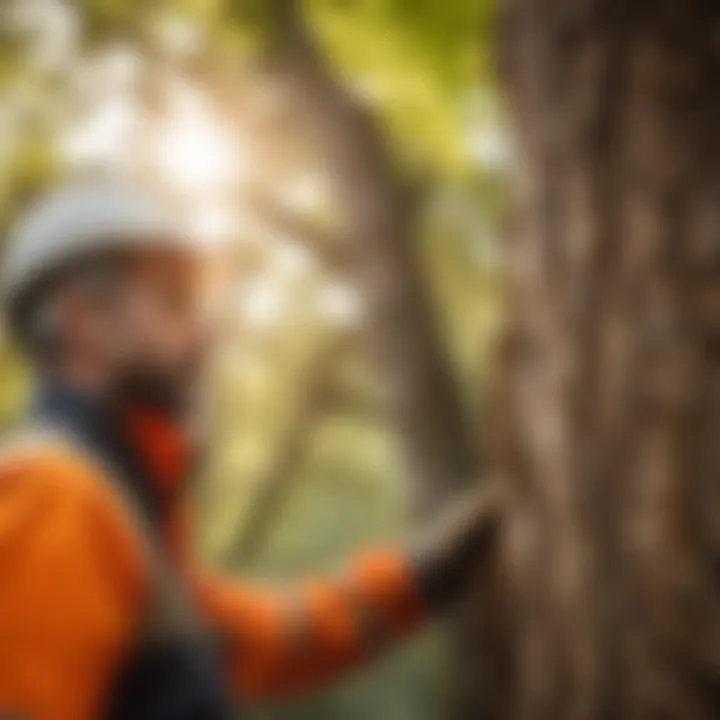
<point x="340" y="304"/>
<point x="212" y="222"/>
<point x="291" y="260"/>
<point x="261" y="303"/>
<point x="103" y="136"/>
<point x="195" y="153"/>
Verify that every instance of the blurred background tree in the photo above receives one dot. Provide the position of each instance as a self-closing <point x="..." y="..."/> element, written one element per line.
<point x="349" y="163"/>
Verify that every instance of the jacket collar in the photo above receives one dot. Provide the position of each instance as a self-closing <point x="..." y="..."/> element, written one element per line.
<point x="147" y="450"/>
<point x="164" y="446"/>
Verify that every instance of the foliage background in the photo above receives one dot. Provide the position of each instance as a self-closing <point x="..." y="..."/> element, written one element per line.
<point x="182" y="94"/>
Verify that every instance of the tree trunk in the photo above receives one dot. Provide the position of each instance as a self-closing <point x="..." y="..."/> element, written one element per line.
<point x="420" y="392"/>
<point x="613" y="378"/>
<point x="421" y="395"/>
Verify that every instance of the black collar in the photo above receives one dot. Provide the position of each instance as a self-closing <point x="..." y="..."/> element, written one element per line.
<point x="99" y="430"/>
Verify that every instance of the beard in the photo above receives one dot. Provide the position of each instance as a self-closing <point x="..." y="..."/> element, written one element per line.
<point x="179" y="398"/>
<point x="156" y="391"/>
<point x="174" y="392"/>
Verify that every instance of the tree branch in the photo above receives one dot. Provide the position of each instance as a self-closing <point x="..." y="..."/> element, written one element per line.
<point x="402" y="330"/>
<point x="292" y="448"/>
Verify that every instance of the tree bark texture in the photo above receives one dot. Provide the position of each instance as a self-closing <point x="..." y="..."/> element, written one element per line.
<point x="612" y="377"/>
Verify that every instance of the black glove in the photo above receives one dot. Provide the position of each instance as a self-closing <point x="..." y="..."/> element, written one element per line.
<point x="448" y="552"/>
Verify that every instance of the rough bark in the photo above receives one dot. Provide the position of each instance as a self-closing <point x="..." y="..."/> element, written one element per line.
<point x="613" y="378"/>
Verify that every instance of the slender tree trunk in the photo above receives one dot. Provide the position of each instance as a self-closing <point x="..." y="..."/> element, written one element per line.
<point x="421" y="395"/>
<point x="613" y="379"/>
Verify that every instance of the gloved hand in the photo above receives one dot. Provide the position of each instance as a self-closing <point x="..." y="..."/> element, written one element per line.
<point x="448" y="552"/>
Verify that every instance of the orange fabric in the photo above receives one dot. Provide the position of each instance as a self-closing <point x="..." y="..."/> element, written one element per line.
<point x="165" y="449"/>
<point x="72" y="579"/>
<point x="164" y="446"/>
<point x="290" y="642"/>
<point x="302" y="637"/>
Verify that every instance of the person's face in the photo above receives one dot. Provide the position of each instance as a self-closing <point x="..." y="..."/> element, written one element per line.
<point x="147" y="332"/>
<point x="158" y="327"/>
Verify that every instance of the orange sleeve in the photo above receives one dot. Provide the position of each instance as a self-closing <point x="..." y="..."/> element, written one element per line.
<point x="303" y="638"/>
<point x="72" y="581"/>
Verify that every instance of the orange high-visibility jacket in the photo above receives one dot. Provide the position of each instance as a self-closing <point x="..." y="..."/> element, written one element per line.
<point x="74" y="580"/>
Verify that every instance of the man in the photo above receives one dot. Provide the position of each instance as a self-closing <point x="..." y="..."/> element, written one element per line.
<point x="103" y="612"/>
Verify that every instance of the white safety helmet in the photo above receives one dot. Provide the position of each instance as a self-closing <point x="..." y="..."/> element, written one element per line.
<point x="77" y="221"/>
